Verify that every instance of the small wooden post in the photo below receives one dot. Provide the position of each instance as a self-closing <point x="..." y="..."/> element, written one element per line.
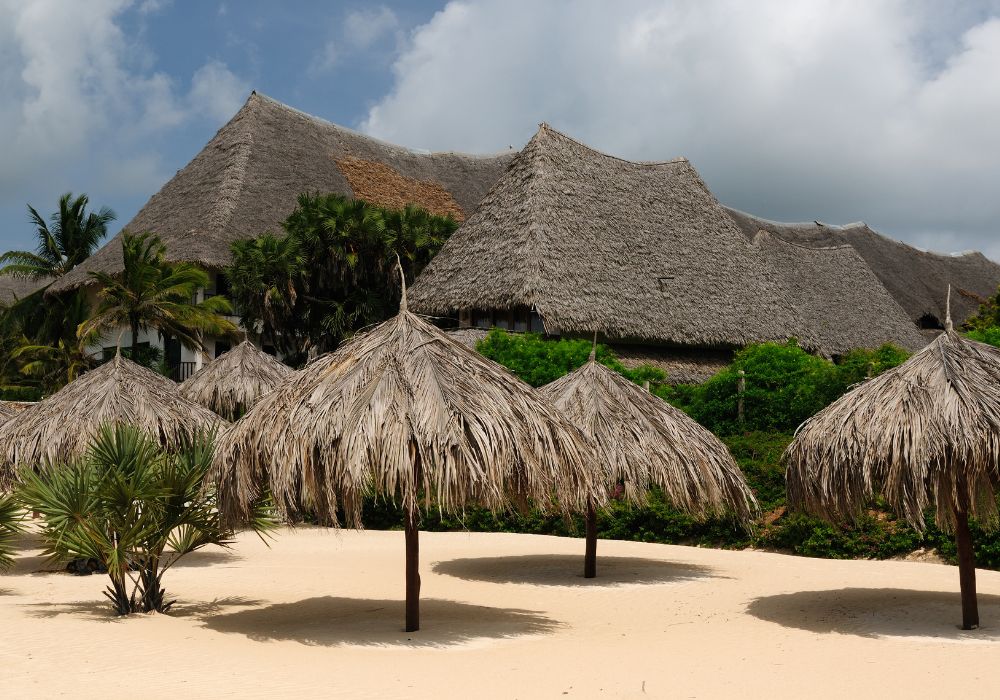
<point x="966" y="558"/>
<point x="590" y="556"/>
<point x="412" y="571"/>
<point x="741" y="387"/>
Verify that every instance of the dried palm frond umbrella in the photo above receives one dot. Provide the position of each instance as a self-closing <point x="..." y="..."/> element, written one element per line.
<point x="924" y="433"/>
<point x="60" y="427"/>
<point x="641" y="441"/>
<point x="403" y="411"/>
<point x="233" y="382"/>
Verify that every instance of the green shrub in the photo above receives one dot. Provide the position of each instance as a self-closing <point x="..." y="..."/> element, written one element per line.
<point x="990" y="335"/>
<point x="20" y="393"/>
<point x="539" y="361"/>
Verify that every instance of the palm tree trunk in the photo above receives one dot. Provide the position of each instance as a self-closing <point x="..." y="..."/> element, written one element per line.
<point x="590" y="555"/>
<point x="135" y="340"/>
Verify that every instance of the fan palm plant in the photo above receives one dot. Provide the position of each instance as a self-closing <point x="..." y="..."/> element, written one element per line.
<point x="151" y="293"/>
<point x="10" y="524"/>
<point x="136" y="509"/>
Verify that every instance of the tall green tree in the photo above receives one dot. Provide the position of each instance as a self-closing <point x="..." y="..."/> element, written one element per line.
<point x="264" y="279"/>
<point x="333" y="271"/>
<point x="70" y="237"/>
<point x="151" y="293"/>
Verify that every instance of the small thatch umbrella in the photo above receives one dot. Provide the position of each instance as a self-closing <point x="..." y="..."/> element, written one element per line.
<point x="642" y="441"/>
<point x="403" y="411"/>
<point x="61" y="426"/>
<point x="926" y="432"/>
<point x="233" y="382"/>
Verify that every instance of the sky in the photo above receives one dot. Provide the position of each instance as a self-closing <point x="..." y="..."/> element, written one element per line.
<point x="796" y="110"/>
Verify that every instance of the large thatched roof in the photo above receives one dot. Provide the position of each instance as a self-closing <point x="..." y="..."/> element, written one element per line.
<point x="403" y="410"/>
<point x="13" y="289"/>
<point x="9" y="409"/>
<point x="915" y="278"/>
<point x="838" y="296"/>
<point x="61" y="426"/>
<point x="595" y="243"/>
<point x="247" y="178"/>
<point x="233" y="382"/>
<point x="643" y="442"/>
<point x="910" y="435"/>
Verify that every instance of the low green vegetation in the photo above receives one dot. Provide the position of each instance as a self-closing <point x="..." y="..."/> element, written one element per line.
<point x="132" y="508"/>
<point x="10" y="525"/>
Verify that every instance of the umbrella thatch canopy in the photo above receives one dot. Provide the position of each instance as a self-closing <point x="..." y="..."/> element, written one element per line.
<point x="642" y="441"/>
<point x="403" y="411"/>
<point x="9" y="409"/>
<point x="925" y="433"/>
<point x="61" y="426"/>
<point x="234" y="381"/>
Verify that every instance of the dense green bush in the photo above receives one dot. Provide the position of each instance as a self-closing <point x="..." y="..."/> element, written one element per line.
<point x="538" y="360"/>
<point x="990" y="335"/>
<point x="20" y="393"/>
<point x="784" y="385"/>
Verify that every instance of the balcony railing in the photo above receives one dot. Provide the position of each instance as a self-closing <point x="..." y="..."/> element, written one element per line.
<point x="181" y="371"/>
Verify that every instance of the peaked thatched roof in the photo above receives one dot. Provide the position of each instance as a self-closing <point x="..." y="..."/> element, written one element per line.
<point x="233" y="382"/>
<point x="638" y="251"/>
<point x="405" y="410"/>
<point x="916" y="279"/>
<point x="9" y="409"/>
<point x="247" y="178"/>
<point x="642" y="442"/>
<point x="838" y="296"/>
<point x="61" y="426"/>
<point x="913" y="435"/>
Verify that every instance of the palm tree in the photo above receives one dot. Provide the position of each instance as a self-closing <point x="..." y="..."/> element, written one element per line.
<point x="262" y="283"/>
<point x="67" y="240"/>
<point x="152" y="293"/>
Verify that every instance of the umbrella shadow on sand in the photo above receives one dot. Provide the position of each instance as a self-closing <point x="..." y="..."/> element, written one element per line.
<point x="567" y="570"/>
<point x="880" y="613"/>
<point x="330" y="621"/>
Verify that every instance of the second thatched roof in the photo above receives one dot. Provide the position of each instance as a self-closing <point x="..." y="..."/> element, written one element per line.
<point x="643" y="442"/>
<point x="60" y="427"/>
<point x="916" y="435"/>
<point x="233" y="382"/>
<point x="405" y="412"/>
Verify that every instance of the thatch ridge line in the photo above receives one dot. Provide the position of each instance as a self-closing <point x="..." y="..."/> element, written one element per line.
<point x="545" y="126"/>
<point x="375" y="139"/>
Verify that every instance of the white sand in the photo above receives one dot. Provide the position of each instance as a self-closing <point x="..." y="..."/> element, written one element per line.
<point x="504" y="616"/>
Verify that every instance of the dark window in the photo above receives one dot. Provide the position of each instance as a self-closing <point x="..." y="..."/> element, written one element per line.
<point x="222" y="285"/>
<point x="930" y="321"/>
<point x="535" y="324"/>
<point x="520" y="321"/>
<point x="482" y="319"/>
<point x="221" y="347"/>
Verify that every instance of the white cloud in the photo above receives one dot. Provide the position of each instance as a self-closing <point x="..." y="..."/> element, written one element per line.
<point x="217" y="91"/>
<point x="83" y="103"/>
<point x="884" y="111"/>
<point x="366" y="30"/>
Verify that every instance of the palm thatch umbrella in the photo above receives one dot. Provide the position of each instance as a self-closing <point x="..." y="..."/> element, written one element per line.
<point x="642" y="441"/>
<point x="925" y="433"/>
<point x="61" y="426"/>
<point x="403" y="411"/>
<point x="233" y="382"/>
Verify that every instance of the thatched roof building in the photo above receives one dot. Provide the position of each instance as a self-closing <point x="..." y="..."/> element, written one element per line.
<point x="915" y="278"/>
<point x="635" y="251"/>
<point x="247" y="178"/>
<point x="576" y="241"/>
<point x="838" y="296"/>
<point x="233" y="382"/>
<point x="9" y="409"/>
<point x="61" y="426"/>
<point x="13" y="289"/>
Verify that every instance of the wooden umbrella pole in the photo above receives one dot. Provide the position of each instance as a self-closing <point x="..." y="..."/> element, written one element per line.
<point x="412" y="571"/>
<point x="966" y="571"/>
<point x="590" y="556"/>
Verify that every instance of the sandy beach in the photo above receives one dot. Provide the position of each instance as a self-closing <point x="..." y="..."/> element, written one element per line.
<point x="320" y="613"/>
